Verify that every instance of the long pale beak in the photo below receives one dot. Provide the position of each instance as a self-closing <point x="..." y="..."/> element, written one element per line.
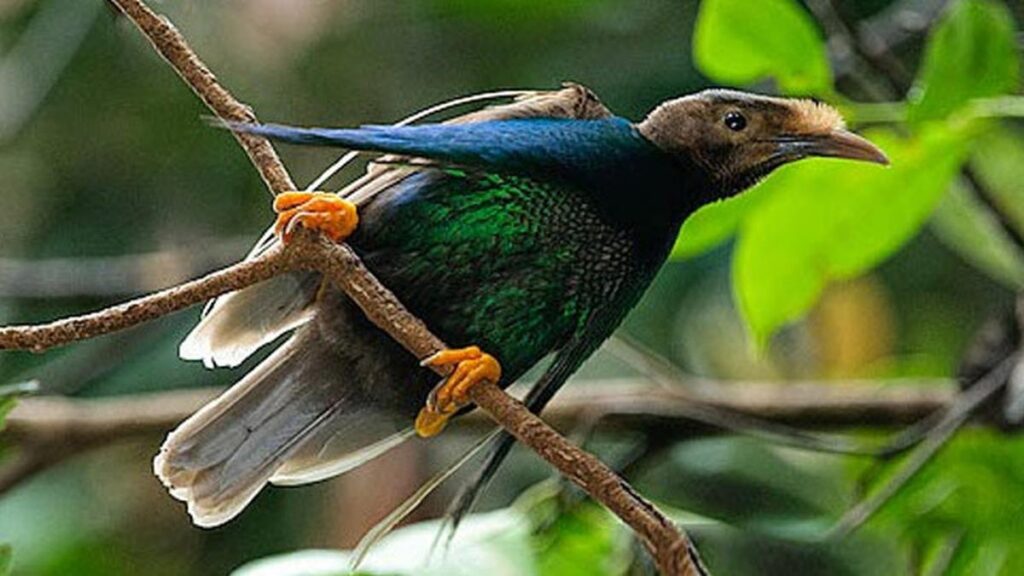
<point x="836" y="144"/>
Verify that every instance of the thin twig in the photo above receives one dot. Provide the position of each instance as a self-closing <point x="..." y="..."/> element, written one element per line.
<point x="669" y="546"/>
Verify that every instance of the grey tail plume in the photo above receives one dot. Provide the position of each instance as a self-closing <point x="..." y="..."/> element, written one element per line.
<point x="293" y="418"/>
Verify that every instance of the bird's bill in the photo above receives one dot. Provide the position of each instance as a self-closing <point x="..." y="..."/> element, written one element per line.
<point x="836" y="144"/>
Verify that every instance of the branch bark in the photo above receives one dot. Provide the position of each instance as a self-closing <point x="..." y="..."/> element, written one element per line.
<point x="670" y="547"/>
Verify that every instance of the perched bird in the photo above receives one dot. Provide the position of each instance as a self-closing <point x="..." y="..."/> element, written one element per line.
<point x="514" y="233"/>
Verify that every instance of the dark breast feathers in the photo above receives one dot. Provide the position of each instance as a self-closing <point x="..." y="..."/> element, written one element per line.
<point x="505" y="262"/>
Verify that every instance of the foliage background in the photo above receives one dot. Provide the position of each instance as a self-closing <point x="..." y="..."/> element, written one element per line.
<point x="826" y="271"/>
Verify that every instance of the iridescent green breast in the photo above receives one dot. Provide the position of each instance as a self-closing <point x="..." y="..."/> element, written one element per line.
<point x="506" y="262"/>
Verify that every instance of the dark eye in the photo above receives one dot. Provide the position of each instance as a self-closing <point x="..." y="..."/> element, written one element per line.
<point x="735" y="121"/>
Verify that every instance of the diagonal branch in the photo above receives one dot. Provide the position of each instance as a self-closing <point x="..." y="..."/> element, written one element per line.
<point x="672" y="550"/>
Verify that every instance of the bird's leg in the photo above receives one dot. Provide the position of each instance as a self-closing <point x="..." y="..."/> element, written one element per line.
<point x="471" y="366"/>
<point x="321" y="211"/>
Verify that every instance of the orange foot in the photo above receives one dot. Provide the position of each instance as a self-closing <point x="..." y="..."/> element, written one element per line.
<point x="322" y="211"/>
<point x="471" y="366"/>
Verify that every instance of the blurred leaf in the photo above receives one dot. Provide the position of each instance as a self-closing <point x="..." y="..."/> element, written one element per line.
<point x="999" y="162"/>
<point x="579" y="542"/>
<point x="825" y="220"/>
<point x="745" y="484"/>
<point x="712" y="225"/>
<point x="972" y="53"/>
<point x="974" y="488"/>
<point x="6" y="559"/>
<point x="6" y="405"/>
<point x="737" y="43"/>
<point x="496" y="543"/>
<point x="970" y="228"/>
<point x="9" y="397"/>
<point x="734" y="552"/>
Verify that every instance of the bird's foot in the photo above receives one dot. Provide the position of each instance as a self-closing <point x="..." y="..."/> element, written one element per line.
<point x="471" y="366"/>
<point x="322" y="211"/>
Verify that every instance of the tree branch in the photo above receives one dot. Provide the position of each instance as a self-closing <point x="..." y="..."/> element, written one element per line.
<point x="669" y="546"/>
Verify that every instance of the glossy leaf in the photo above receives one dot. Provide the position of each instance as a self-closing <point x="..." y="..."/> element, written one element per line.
<point x="829" y="220"/>
<point x="738" y="43"/>
<point x="971" y="54"/>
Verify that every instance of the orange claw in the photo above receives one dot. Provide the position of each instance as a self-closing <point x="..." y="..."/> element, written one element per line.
<point x="471" y="367"/>
<point x="321" y="211"/>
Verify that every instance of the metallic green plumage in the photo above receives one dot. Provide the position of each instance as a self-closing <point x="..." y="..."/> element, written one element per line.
<point x="503" y="261"/>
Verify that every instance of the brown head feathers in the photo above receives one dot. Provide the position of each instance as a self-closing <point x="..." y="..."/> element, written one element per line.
<point x="736" y="138"/>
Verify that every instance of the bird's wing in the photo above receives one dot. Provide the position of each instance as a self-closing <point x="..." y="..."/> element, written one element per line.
<point x="237" y="324"/>
<point x="584" y="151"/>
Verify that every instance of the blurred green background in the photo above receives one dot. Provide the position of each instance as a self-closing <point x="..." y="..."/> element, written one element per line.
<point x="104" y="153"/>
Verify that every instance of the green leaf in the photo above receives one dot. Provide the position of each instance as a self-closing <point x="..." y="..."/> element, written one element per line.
<point x="581" y="541"/>
<point x="737" y="43"/>
<point x="971" y="54"/>
<point x="974" y="490"/>
<point x="970" y="228"/>
<point x="712" y="225"/>
<point x="827" y="220"/>
<point x="6" y="559"/>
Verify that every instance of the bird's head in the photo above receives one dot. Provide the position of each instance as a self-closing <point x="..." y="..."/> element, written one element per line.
<point x="734" y="139"/>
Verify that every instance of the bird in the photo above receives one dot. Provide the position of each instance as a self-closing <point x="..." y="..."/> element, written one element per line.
<point x="517" y="232"/>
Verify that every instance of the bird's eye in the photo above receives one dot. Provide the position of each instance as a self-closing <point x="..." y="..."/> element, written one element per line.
<point x="735" y="121"/>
